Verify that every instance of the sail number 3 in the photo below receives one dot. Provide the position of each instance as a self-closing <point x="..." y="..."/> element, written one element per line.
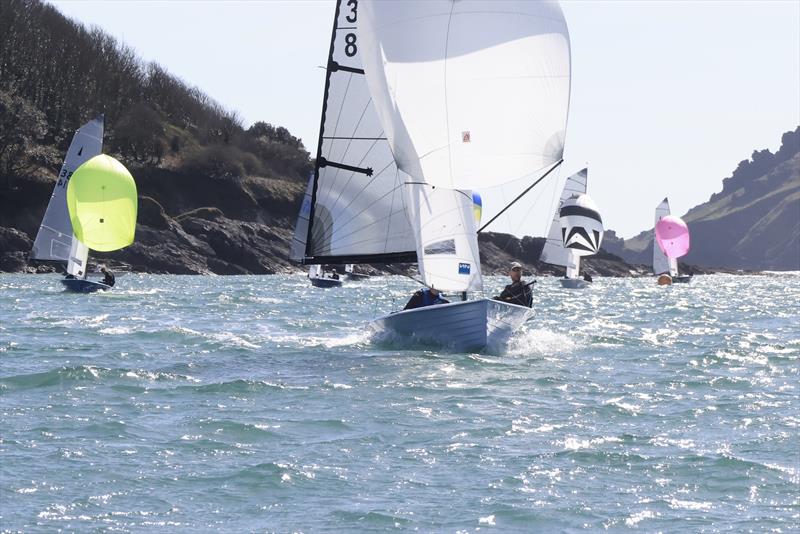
<point x="350" y="47"/>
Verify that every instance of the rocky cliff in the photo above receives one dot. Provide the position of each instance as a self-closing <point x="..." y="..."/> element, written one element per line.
<point x="752" y="224"/>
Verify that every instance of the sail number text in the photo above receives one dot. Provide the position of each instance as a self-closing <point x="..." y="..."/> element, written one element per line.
<point x="350" y="47"/>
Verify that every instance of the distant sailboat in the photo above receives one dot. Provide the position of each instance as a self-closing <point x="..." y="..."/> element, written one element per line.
<point x="456" y="103"/>
<point x="576" y="230"/>
<point x="666" y="254"/>
<point x="102" y="202"/>
<point x="352" y="274"/>
<point x="55" y="240"/>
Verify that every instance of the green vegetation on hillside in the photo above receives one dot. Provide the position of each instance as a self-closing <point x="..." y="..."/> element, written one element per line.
<point x="55" y="74"/>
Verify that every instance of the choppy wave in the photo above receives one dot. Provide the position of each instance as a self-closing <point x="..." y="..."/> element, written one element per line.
<point x="245" y="403"/>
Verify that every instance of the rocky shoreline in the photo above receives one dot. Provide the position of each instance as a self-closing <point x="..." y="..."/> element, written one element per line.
<point x="201" y="225"/>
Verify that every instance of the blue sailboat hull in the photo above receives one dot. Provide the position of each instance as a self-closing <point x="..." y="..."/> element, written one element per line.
<point x="79" y="285"/>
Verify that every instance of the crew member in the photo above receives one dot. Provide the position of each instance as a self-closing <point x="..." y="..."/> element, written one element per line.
<point x="108" y="277"/>
<point x="425" y="297"/>
<point x="517" y="292"/>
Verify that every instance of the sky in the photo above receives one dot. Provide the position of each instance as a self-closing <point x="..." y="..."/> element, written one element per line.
<point x="667" y="97"/>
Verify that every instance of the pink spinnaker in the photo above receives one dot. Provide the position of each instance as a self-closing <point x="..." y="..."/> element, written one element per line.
<point x="672" y="236"/>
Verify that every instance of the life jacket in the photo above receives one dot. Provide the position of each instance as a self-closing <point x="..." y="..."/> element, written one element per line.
<point x="428" y="299"/>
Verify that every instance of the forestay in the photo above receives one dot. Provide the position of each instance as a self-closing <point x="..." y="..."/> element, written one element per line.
<point x="662" y="264"/>
<point x="554" y="251"/>
<point x="473" y="94"/>
<point x="356" y="212"/>
<point x="54" y="239"/>
<point x="447" y="243"/>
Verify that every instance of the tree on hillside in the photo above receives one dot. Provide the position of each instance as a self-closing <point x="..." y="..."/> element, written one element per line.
<point x="21" y="127"/>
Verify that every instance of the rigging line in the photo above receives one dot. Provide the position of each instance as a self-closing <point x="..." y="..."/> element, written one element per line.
<point x="355" y="215"/>
<point x="446" y="103"/>
<point x="358" y="194"/>
<point x="391" y="209"/>
<point x="339" y="115"/>
<point x="347" y="149"/>
<point x="521" y="195"/>
<point x="347" y="183"/>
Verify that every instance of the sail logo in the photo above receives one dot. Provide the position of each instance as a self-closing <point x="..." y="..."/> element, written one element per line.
<point x="464" y="268"/>
<point x="466" y="137"/>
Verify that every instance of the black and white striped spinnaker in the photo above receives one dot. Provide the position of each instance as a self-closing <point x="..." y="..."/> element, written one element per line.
<point x="581" y="225"/>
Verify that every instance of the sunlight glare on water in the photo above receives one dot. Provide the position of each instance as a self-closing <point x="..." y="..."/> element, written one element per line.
<point x="260" y="403"/>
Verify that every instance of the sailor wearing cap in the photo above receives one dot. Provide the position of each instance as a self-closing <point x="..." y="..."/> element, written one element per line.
<point x="517" y="292"/>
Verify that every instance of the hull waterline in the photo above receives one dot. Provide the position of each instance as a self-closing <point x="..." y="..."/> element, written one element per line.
<point x="325" y="282"/>
<point x="574" y="283"/>
<point x="472" y="325"/>
<point x="78" y="285"/>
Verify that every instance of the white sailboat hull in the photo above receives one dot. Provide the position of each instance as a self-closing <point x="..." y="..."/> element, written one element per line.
<point x="574" y="283"/>
<point x="471" y="325"/>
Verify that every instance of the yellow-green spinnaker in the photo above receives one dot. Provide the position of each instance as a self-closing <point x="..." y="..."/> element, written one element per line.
<point x="102" y="203"/>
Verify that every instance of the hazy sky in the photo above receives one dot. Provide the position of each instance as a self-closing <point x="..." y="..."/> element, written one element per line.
<point x="667" y="97"/>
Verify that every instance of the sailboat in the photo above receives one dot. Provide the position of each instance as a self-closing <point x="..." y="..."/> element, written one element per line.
<point x="55" y="240"/>
<point x="476" y="99"/>
<point x="666" y="254"/>
<point x="93" y="205"/>
<point x="353" y="210"/>
<point x="352" y="274"/>
<point x="576" y="230"/>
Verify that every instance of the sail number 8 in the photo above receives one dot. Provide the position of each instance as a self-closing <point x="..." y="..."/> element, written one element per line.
<point x="350" y="48"/>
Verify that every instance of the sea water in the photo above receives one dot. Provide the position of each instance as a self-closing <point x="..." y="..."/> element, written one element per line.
<point x="179" y="403"/>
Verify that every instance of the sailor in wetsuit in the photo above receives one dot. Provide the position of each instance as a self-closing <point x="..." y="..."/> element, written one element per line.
<point x="334" y="275"/>
<point x="425" y="297"/>
<point x="108" y="277"/>
<point x="517" y="292"/>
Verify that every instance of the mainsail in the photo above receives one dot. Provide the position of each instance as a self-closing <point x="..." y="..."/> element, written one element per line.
<point x="54" y="241"/>
<point x="472" y="94"/>
<point x="447" y="242"/>
<point x="356" y="210"/>
<point x="662" y="264"/>
<point x="554" y="251"/>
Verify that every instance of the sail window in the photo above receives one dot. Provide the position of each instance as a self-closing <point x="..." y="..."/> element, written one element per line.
<point x="441" y="247"/>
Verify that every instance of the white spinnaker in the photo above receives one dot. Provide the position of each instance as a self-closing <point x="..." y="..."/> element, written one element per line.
<point x="54" y="239"/>
<point x="355" y="217"/>
<point x="447" y="240"/>
<point x="472" y="94"/>
<point x="554" y="252"/>
<point x="662" y="264"/>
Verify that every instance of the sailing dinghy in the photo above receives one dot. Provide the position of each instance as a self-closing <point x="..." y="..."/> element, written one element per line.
<point x="102" y="205"/>
<point x="353" y="210"/>
<point x="576" y="230"/>
<point x="55" y="241"/>
<point x="354" y="275"/>
<point x="672" y="244"/>
<point x="84" y="210"/>
<point x="478" y="98"/>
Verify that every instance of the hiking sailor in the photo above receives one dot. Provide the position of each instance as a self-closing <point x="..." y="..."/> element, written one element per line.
<point x="517" y="292"/>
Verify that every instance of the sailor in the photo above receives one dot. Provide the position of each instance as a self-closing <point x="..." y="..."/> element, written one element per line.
<point x="425" y="297"/>
<point x="517" y="292"/>
<point x="334" y="275"/>
<point x="587" y="277"/>
<point x="108" y="277"/>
